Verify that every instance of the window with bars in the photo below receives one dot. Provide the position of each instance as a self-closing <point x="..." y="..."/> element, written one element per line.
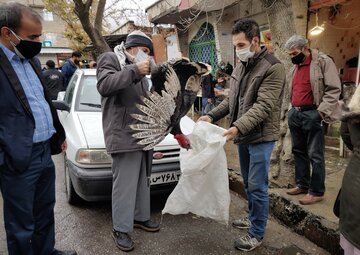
<point x="202" y="47"/>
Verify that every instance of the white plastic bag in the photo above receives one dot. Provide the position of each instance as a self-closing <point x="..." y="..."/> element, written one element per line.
<point x="203" y="188"/>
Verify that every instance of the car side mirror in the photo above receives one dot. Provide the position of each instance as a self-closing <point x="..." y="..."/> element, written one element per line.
<point x="61" y="95"/>
<point x="61" y="105"/>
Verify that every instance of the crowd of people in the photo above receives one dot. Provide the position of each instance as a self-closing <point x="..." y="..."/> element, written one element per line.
<point x="250" y="94"/>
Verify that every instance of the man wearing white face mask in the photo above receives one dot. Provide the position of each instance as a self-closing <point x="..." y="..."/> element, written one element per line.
<point x="121" y="84"/>
<point x="254" y="104"/>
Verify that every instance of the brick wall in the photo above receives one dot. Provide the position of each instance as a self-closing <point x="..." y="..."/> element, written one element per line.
<point x="338" y="40"/>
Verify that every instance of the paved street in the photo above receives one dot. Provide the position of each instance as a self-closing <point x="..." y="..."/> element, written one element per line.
<point x="87" y="228"/>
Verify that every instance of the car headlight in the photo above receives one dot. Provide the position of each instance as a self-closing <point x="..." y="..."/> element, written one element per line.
<point x="85" y="156"/>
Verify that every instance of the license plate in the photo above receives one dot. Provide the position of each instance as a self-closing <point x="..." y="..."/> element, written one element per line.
<point x="164" y="177"/>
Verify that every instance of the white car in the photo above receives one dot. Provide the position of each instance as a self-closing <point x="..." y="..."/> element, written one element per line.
<point x="88" y="173"/>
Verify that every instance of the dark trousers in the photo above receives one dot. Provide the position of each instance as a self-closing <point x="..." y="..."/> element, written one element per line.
<point x="308" y="147"/>
<point x="29" y="199"/>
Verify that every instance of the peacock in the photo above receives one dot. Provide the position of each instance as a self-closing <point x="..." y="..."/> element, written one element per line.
<point x="175" y="85"/>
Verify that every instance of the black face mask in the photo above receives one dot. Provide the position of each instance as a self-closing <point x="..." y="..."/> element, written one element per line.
<point x="26" y="49"/>
<point x="298" y="59"/>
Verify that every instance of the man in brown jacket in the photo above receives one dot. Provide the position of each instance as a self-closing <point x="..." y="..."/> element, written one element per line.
<point x="121" y="83"/>
<point x="253" y="103"/>
<point x="314" y="90"/>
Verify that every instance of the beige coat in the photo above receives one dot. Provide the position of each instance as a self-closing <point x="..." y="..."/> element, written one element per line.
<point x="254" y="100"/>
<point x="325" y="85"/>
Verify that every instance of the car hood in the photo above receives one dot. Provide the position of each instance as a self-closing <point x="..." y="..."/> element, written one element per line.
<point x="91" y="123"/>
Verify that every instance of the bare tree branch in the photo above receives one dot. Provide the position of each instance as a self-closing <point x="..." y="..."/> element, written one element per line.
<point x="99" y="15"/>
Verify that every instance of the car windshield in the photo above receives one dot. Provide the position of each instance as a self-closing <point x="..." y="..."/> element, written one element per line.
<point x="88" y="99"/>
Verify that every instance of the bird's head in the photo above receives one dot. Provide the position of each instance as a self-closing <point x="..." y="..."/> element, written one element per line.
<point x="189" y="73"/>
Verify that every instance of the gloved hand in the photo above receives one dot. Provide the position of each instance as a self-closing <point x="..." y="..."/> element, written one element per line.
<point x="183" y="141"/>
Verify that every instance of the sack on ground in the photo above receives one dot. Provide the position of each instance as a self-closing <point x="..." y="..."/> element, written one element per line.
<point x="203" y="188"/>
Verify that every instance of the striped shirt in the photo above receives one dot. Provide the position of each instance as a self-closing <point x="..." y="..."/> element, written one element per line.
<point x="34" y="92"/>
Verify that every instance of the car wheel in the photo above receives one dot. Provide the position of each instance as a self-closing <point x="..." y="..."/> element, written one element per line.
<point x="71" y="195"/>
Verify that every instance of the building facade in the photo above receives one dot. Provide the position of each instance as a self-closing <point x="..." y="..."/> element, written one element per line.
<point x="55" y="45"/>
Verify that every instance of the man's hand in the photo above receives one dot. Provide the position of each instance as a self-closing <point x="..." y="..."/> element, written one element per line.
<point x="205" y="118"/>
<point x="231" y="133"/>
<point x="144" y="67"/>
<point x="64" y="146"/>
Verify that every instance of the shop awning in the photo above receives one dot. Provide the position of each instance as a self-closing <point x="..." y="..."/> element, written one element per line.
<point x="55" y="50"/>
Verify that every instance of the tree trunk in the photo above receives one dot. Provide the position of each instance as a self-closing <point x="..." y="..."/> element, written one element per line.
<point x="283" y="15"/>
<point x="93" y="31"/>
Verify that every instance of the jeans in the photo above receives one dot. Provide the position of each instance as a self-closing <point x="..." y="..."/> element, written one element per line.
<point x="204" y="102"/>
<point x="255" y="164"/>
<point x="308" y="146"/>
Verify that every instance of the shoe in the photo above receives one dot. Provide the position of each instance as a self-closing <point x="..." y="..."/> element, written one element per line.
<point x="247" y="243"/>
<point x="310" y="199"/>
<point x="123" y="241"/>
<point x="57" y="252"/>
<point x="148" y="225"/>
<point x="243" y="223"/>
<point x="296" y="191"/>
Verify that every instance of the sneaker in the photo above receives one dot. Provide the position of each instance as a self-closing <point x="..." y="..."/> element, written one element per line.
<point x="148" y="225"/>
<point x="123" y="241"/>
<point x="247" y="243"/>
<point x="243" y="223"/>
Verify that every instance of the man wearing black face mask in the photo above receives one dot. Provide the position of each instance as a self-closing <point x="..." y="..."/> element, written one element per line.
<point x="29" y="133"/>
<point x="314" y="90"/>
<point x="70" y="66"/>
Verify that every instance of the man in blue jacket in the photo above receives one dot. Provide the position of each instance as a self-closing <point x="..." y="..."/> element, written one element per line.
<point x="29" y="133"/>
<point x="70" y="66"/>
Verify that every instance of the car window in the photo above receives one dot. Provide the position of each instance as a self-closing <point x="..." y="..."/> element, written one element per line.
<point x="88" y="98"/>
<point x="70" y="89"/>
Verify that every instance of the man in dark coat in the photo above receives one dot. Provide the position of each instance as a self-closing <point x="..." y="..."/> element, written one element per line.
<point x="121" y="83"/>
<point x="207" y="85"/>
<point x="54" y="80"/>
<point x="70" y="66"/>
<point x="349" y="224"/>
<point x="30" y="132"/>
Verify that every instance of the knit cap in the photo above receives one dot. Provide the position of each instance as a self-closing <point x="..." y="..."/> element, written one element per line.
<point x="138" y="38"/>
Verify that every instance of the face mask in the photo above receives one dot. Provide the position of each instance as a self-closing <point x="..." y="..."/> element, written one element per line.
<point x="140" y="56"/>
<point x="298" y="59"/>
<point x="245" y="54"/>
<point x="76" y="61"/>
<point x="26" y="49"/>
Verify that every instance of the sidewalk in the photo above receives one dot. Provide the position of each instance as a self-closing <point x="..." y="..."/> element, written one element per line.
<point x="316" y="222"/>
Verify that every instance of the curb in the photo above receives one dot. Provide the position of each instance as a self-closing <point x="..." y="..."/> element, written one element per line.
<point x="318" y="230"/>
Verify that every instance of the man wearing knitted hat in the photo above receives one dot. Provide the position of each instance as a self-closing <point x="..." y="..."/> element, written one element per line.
<point x="121" y="83"/>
